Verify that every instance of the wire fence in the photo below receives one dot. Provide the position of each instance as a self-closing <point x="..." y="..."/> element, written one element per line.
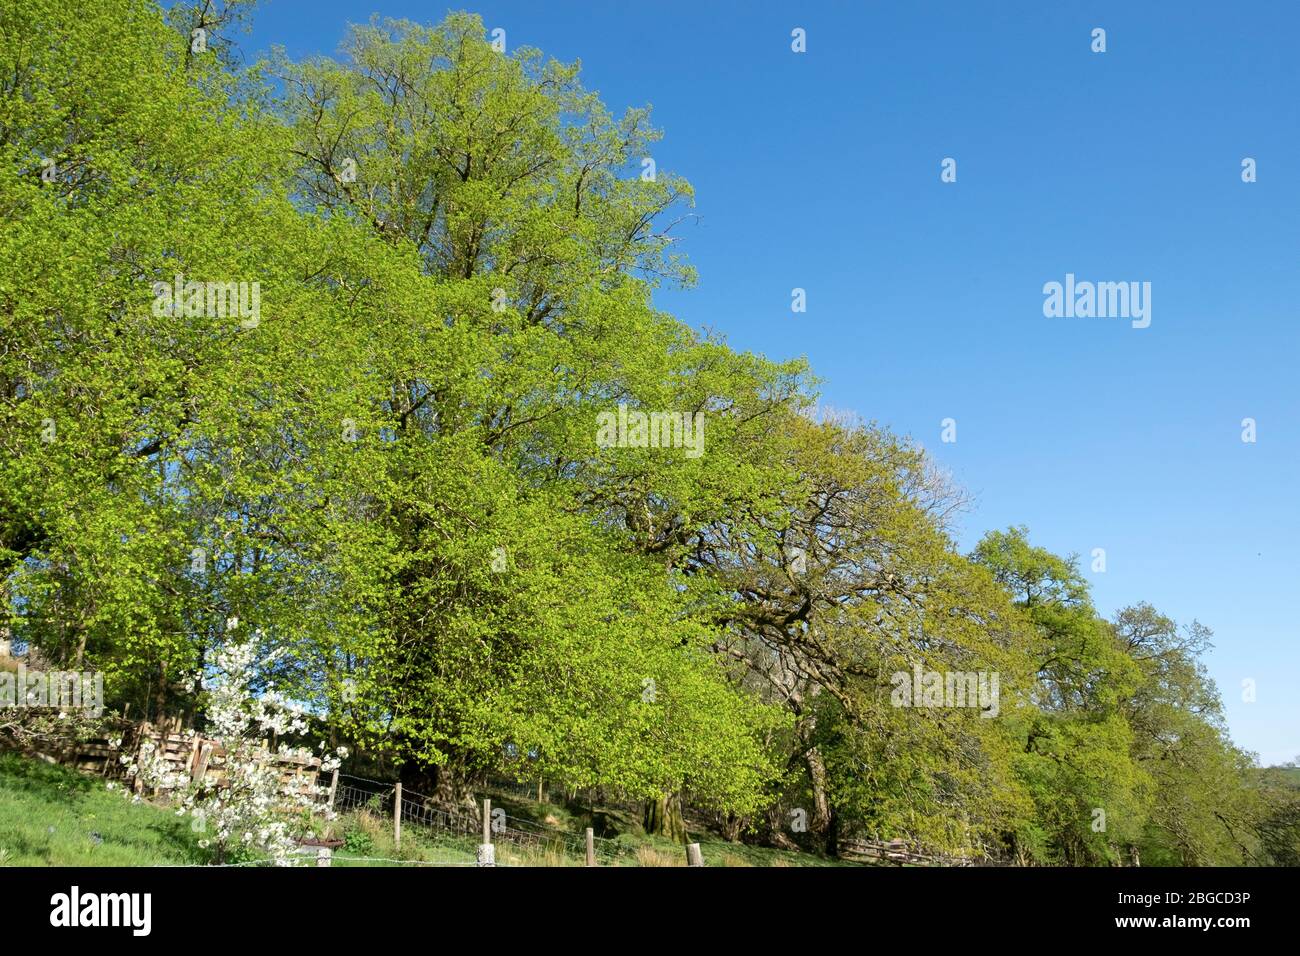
<point x="528" y="836"/>
<point x="387" y="861"/>
<point x="536" y="841"/>
<point x="539" y="792"/>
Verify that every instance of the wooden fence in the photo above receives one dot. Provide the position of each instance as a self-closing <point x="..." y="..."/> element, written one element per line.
<point x="899" y="853"/>
<point x="197" y="758"/>
<point x="203" y="759"/>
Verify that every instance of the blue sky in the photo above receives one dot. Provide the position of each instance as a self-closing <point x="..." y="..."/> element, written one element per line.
<point x="821" y="171"/>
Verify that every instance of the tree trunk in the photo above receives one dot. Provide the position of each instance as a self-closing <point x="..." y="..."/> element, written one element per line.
<point x="776" y="826"/>
<point x="663" y="817"/>
<point x="833" y="834"/>
<point x="731" y="826"/>
<point x="447" y="787"/>
<point x="824" y="824"/>
<point x="162" y="692"/>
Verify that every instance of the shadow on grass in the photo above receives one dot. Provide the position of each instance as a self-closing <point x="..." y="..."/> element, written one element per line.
<point x="175" y="837"/>
<point x="33" y="775"/>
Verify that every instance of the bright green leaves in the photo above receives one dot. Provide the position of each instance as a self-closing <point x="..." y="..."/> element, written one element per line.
<point x="393" y="478"/>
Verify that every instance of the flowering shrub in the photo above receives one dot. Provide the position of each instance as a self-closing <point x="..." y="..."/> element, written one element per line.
<point x="151" y="771"/>
<point x="249" y="812"/>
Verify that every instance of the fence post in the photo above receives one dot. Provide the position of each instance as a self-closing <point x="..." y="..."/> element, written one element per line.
<point x="591" y="847"/>
<point x="334" y="786"/>
<point x="201" y="764"/>
<point x="693" y="855"/>
<point x="487" y="854"/>
<point x="397" y="814"/>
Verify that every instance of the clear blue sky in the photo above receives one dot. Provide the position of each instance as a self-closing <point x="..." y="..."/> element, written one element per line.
<point x="925" y="300"/>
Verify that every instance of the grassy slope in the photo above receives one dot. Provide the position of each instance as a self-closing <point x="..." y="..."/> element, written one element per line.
<point x="371" y="844"/>
<point x="370" y="840"/>
<point x="376" y="848"/>
<point x="50" y="816"/>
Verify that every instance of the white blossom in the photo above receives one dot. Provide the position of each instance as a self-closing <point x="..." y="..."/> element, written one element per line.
<point x="249" y="800"/>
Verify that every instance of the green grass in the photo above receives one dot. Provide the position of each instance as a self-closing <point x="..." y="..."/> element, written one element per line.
<point x="722" y="853"/>
<point x="52" y="816"/>
<point x="633" y="847"/>
<point x="369" y="837"/>
<point x="420" y="845"/>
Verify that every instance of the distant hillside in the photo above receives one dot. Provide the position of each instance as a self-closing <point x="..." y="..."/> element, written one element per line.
<point x="1289" y="775"/>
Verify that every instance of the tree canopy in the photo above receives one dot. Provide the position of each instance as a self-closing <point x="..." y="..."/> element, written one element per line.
<point x="314" y="354"/>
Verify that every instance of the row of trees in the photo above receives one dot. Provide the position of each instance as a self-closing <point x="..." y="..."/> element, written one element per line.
<point x="388" y="482"/>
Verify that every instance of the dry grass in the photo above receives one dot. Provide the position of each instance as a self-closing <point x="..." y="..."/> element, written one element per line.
<point x="375" y="827"/>
<point x="535" y="856"/>
<point x="649" y="856"/>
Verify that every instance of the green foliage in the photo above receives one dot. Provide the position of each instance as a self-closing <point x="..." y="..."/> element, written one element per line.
<point x="358" y="842"/>
<point x="391" y="479"/>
